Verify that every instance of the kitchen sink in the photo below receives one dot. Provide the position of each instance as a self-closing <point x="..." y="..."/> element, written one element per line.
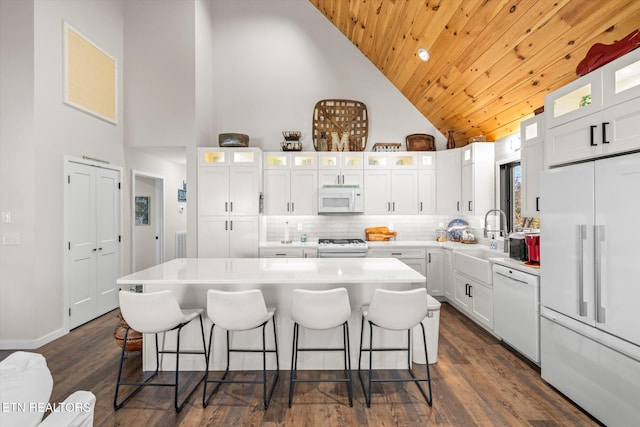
<point x="474" y="262"/>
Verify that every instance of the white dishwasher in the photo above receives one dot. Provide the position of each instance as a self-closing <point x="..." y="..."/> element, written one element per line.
<point x="516" y="310"/>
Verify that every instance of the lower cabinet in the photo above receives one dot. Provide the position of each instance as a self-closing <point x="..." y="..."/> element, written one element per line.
<point x="435" y="283"/>
<point x="475" y="299"/>
<point x="447" y="274"/>
<point x="413" y="257"/>
<point x="228" y="237"/>
<point x="288" y="253"/>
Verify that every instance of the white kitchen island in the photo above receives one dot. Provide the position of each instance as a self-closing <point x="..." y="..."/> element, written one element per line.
<point x="190" y="278"/>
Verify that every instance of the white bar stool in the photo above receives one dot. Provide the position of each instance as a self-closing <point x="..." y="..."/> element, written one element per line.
<point x="154" y="313"/>
<point x="395" y="311"/>
<point x="321" y="310"/>
<point x="240" y="311"/>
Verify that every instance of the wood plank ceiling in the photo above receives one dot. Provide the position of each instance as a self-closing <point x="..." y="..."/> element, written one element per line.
<point x="492" y="61"/>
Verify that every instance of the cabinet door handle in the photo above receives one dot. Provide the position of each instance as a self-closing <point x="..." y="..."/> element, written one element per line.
<point x="231" y="206"/>
<point x="582" y="236"/>
<point x="226" y="226"/>
<point x="470" y="288"/>
<point x="281" y="254"/>
<point x="604" y="132"/>
<point x="470" y="201"/>
<point x="466" y="289"/>
<point x="420" y="206"/>
<point x="396" y="253"/>
<point x="598" y="239"/>
<point x="292" y="206"/>
<point x="388" y="206"/>
<point x="226" y="206"/>
<point x="394" y="206"/>
<point x="288" y="204"/>
<point x="537" y="204"/>
<point x="429" y="259"/>
<point x="231" y="225"/>
<point x="458" y="206"/>
<point x="592" y="128"/>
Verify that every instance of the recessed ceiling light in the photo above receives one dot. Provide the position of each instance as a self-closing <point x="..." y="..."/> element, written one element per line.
<point x="423" y="54"/>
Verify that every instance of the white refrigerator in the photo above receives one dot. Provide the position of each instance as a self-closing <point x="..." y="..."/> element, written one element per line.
<point x="590" y="286"/>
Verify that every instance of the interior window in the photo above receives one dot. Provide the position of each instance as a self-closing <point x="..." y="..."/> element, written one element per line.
<point x="510" y="198"/>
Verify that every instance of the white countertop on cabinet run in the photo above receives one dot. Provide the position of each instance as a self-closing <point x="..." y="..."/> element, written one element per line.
<point x="294" y="271"/>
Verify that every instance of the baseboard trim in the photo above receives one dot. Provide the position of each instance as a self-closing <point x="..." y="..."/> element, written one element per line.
<point x="32" y="344"/>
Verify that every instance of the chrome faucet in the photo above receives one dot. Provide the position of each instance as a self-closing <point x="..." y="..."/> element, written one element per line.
<point x="505" y="232"/>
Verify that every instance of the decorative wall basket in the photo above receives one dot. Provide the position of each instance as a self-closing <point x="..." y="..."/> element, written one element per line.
<point x="341" y="116"/>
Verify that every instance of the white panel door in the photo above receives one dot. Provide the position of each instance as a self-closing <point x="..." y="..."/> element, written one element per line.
<point x="92" y="230"/>
<point x="377" y="198"/>
<point x="243" y="237"/>
<point x="213" y="237"/>
<point x="404" y="192"/>
<point x="427" y="191"/>
<point x="244" y="191"/>
<point x="108" y="238"/>
<point x="213" y="191"/>
<point x="566" y="252"/>
<point x="304" y="192"/>
<point x="80" y="225"/>
<point x="618" y="253"/>
<point x="276" y="192"/>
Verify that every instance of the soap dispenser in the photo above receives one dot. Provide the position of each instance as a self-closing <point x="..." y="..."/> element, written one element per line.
<point x="494" y="243"/>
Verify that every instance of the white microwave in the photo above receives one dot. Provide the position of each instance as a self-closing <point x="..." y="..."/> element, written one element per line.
<point x="340" y="199"/>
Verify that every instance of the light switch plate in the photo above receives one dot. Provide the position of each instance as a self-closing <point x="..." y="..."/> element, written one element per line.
<point x="6" y="217"/>
<point x="10" y="239"/>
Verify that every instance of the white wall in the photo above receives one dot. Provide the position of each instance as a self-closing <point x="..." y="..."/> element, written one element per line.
<point x="275" y="59"/>
<point x="17" y="180"/>
<point x="58" y="130"/>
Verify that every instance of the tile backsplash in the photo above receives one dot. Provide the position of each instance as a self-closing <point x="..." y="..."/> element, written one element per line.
<point x="409" y="227"/>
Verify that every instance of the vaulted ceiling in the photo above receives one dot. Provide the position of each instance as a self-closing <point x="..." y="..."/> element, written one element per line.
<point x="492" y="61"/>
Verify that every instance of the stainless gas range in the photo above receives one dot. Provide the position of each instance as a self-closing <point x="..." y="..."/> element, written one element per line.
<point x="342" y="248"/>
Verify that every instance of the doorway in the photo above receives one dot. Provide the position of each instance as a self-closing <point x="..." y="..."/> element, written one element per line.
<point x="147" y="225"/>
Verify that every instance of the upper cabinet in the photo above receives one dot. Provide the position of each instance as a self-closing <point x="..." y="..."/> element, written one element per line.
<point x="229" y="185"/>
<point x="478" y="170"/>
<point x="448" y="182"/>
<point x="340" y="168"/>
<point x="290" y="183"/>
<point x="596" y="115"/>
<point x="464" y="180"/>
<point x="532" y="163"/>
<point x="427" y="183"/>
<point x="391" y="180"/>
<point x="229" y="181"/>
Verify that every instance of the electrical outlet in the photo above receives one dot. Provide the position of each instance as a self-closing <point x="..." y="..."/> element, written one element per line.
<point x="299" y="227"/>
<point x="6" y="217"/>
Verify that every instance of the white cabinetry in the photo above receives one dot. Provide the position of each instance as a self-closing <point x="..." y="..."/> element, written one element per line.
<point x="532" y="163"/>
<point x="474" y="299"/>
<point x="229" y="186"/>
<point x="435" y="283"/>
<point x="596" y="115"/>
<point x="477" y="178"/>
<point x="448" y="182"/>
<point x="392" y="183"/>
<point x="427" y="183"/>
<point x="288" y="252"/>
<point x="340" y="168"/>
<point x="413" y="257"/>
<point x="447" y="274"/>
<point x="290" y="183"/>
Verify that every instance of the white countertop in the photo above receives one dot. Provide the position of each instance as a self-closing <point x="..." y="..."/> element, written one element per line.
<point x="294" y="271"/>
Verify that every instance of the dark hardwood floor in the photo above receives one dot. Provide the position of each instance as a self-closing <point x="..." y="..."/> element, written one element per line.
<point x="476" y="381"/>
